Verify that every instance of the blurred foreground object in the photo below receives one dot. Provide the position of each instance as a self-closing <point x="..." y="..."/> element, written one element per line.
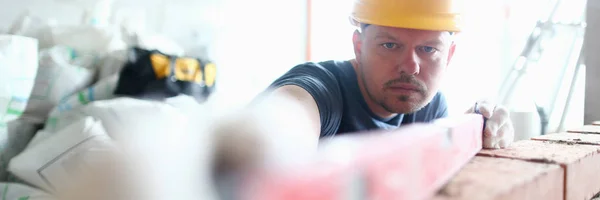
<point x="58" y="75"/>
<point x="121" y="149"/>
<point x="162" y="152"/>
<point x="412" y="162"/>
<point x="272" y="162"/>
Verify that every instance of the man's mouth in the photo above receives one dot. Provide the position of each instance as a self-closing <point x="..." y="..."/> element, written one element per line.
<point x="404" y="88"/>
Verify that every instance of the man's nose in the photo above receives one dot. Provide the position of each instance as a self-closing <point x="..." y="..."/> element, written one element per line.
<point x="409" y="63"/>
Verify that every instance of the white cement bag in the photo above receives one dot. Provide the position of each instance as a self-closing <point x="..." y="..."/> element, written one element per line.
<point x="14" y="137"/>
<point x="18" y="66"/>
<point x="112" y="63"/>
<point x="89" y="39"/>
<point x="170" y="144"/>
<point x="56" y="79"/>
<point x="34" y="27"/>
<point x="15" y="191"/>
<point x="51" y="163"/>
<point x="38" y="137"/>
<point x="125" y="118"/>
<point x="102" y="90"/>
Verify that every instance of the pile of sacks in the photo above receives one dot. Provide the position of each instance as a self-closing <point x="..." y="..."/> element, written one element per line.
<point x="59" y="117"/>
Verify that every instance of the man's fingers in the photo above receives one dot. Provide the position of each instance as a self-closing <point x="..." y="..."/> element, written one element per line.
<point x="490" y="129"/>
<point x="499" y="118"/>
<point x="490" y="142"/>
<point x="507" y="135"/>
<point x="486" y="109"/>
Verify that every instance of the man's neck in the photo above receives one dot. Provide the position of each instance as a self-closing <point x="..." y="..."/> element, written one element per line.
<point x="373" y="106"/>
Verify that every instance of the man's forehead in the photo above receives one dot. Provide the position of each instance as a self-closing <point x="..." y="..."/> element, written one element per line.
<point x="375" y="31"/>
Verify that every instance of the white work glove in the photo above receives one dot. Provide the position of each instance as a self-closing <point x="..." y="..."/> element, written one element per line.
<point x="498" y="130"/>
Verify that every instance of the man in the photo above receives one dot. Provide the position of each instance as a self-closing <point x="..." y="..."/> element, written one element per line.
<point x="402" y="51"/>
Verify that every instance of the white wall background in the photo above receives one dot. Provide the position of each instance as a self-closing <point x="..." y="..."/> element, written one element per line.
<point x="257" y="42"/>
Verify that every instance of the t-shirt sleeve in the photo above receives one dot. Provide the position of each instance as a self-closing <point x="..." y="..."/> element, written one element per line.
<point x="323" y="86"/>
<point x="442" y="108"/>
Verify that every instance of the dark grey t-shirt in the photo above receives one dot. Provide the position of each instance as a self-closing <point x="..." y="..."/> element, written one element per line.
<point x="342" y="108"/>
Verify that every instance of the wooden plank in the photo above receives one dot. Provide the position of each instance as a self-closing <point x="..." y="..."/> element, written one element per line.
<point x="580" y="162"/>
<point x="486" y="178"/>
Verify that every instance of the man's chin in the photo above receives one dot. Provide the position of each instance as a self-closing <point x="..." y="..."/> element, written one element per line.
<point x="405" y="107"/>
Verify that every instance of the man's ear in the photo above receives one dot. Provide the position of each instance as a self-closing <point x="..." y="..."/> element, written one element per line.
<point x="357" y="41"/>
<point x="451" y="53"/>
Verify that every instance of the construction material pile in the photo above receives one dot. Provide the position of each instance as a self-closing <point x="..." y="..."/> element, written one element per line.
<point x="68" y="95"/>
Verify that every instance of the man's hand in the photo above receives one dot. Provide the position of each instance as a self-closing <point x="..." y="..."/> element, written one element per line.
<point x="498" y="131"/>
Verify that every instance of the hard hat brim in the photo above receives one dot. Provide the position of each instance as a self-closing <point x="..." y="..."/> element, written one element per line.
<point x="420" y="23"/>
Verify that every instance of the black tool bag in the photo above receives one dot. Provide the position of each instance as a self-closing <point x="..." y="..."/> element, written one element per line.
<point x="151" y="74"/>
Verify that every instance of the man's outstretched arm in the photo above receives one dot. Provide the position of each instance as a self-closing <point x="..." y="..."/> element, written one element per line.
<point x="297" y="105"/>
<point x="281" y="126"/>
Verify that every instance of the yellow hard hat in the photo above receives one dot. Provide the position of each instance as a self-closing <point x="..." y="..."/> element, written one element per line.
<point x="438" y="15"/>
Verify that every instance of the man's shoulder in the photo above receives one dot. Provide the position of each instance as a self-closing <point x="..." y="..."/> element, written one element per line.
<point x="439" y="98"/>
<point x="438" y="102"/>
<point x="330" y="73"/>
<point x="321" y="81"/>
<point x="329" y="66"/>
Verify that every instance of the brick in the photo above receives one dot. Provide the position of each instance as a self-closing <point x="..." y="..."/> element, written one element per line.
<point x="485" y="178"/>
<point x="589" y="129"/>
<point x="571" y="138"/>
<point x="580" y="162"/>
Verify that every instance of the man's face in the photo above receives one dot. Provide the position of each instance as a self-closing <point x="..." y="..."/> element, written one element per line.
<point x="400" y="70"/>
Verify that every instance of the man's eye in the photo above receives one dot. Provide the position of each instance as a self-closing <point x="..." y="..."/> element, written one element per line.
<point x="427" y="49"/>
<point x="389" y="45"/>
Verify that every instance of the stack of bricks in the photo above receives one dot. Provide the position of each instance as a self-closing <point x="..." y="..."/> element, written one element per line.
<point x="554" y="166"/>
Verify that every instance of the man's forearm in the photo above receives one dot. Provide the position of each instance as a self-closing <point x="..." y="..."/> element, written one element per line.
<point x="280" y="127"/>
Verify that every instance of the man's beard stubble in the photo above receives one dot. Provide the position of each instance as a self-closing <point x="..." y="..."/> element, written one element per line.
<point x="412" y="106"/>
<point x="404" y="78"/>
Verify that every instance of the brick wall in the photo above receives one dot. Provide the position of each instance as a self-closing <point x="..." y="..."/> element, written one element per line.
<point x="555" y="166"/>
